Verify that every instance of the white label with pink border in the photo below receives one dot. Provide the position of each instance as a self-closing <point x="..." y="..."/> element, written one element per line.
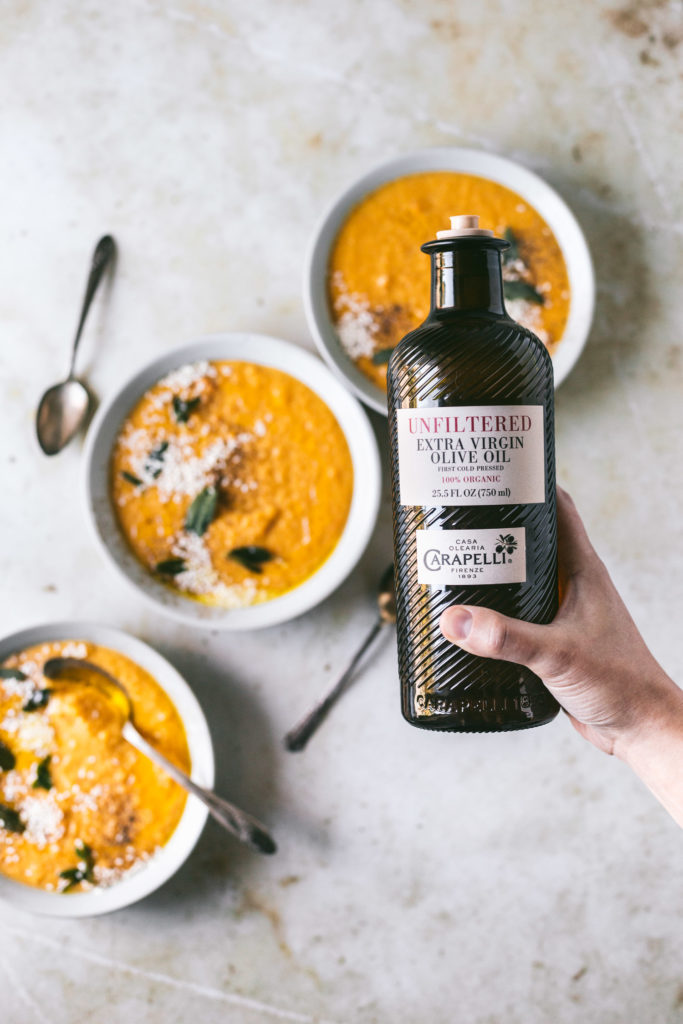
<point x="471" y="455"/>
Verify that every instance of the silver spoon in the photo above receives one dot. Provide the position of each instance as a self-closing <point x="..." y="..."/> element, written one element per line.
<point x="297" y="738"/>
<point x="247" y="829"/>
<point x="64" y="406"/>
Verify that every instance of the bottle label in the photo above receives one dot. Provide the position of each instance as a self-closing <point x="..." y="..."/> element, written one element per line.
<point x="471" y="455"/>
<point x="471" y="557"/>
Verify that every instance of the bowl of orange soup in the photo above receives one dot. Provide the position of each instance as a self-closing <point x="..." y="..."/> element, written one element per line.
<point x="367" y="284"/>
<point x="234" y="482"/>
<point x="87" y="823"/>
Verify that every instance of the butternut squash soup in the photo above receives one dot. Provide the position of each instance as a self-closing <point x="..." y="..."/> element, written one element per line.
<point x="79" y="806"/>
<point x="378" y="278"/>
<point x="231" y="481"/>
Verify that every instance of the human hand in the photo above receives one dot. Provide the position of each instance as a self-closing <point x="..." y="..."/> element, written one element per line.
<point x="591" y="657"/>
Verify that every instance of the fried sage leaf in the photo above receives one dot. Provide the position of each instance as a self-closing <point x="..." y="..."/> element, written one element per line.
<point x="10" y="820"/>
<point x="251" y="557"/>
<point x="87" y="860"/>
<point x="74" y="876"/>
<point x="184" y="407"/>
<point x="83" y="872"/>
<point x="171" y="566"/>
<point x="513" y="253"/>
<point x="131" y="478"/>
<point x="12" y="673"/>
<point x="154" y="462"/>
<point x="7" y="758"/>
<point x="43" y="778"/>
<point x="201" y="512"/>
<point x="37" y="700"/>
<point x="382" y="356"/>
<point x="522" y="290"/>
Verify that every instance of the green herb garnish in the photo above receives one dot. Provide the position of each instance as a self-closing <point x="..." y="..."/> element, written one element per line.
<point x="37" y="700"/>
<point x="7" y="758"/>
<point x="85" y="853"/>
<point x="153" y="465"/>
<point x="12" y="673"/>
<point x="43" y="777"/>
<point x="251" y="557"/>
<point x="382" y="356"/>
<point x="131" y="478"/>
<point x="83" y="872"/>
<point x="171" y="566"/>
<point x="522" y="290"/>
<point x="10" y="820"/>
<point x="74" y="876"/>
<point x="184" y="407"/>
<point x="201" y="512"/>
<point x="511" y="254"/>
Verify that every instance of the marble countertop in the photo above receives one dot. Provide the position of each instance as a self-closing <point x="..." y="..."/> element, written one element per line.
<point x="514" y="879"/>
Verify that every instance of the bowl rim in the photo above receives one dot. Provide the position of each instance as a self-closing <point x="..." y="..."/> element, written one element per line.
<point x="175" y="852"/>
<point x="534" y="189"/>
<point x="310" y="370"/>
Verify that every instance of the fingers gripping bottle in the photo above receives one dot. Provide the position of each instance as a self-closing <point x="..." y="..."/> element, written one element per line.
<point x="470" y="395"/>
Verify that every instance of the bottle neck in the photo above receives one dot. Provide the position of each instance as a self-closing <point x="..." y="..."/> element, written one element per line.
<point x="467" y="278"/>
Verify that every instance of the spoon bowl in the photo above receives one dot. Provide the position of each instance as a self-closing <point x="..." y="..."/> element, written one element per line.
<point x="386" y="597"/>
<point x="78" y="670"/>
<point x="242" y="825"/>
<point x="61" y="412"/>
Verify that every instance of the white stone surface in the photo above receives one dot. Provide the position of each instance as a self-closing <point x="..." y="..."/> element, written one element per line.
<point x="519" y="879"/>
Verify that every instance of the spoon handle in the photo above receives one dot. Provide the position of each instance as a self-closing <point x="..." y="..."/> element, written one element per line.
<point x="247" y="829"/>
<point x="297" y="738"/>
<point x="101" y="258"/>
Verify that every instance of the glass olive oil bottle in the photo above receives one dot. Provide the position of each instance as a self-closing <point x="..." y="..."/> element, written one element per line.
<point x="470" y="395"/>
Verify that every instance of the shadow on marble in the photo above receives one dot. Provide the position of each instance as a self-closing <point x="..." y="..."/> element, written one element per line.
<point x="245" y="774"/>
<point x="625" y="301"/>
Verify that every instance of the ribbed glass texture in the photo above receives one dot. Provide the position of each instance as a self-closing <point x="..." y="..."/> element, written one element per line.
<point x="467" y="359"/>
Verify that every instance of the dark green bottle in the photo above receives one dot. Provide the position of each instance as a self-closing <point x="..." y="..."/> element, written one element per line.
<point x="471" y="418"/>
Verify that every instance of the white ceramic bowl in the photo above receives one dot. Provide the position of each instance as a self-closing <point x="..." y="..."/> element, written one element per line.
<point x="253" y="348"/>
<point x="537" y="192"/>
<point x="169" y="858"/>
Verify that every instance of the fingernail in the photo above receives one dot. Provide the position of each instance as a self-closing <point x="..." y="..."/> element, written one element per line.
<point x="456" y="623"/>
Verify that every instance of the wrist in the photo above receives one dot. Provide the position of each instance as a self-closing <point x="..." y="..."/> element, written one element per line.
<point x="654" y="749"/>
<point x="658" y="718"/>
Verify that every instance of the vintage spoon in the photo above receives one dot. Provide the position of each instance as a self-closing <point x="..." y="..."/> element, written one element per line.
<point x="64" y="406"/>
<point x="247" y="829"/>
<point x="298" y="737"/>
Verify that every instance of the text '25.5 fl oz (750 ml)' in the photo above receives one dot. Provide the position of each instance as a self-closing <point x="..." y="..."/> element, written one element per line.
<point x="471" y="417"/>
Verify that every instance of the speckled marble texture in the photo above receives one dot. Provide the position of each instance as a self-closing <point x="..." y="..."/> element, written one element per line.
<point x="519" y="879"/>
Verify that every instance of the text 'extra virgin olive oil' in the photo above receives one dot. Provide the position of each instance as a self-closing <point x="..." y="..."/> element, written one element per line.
<point x="470" y="395"/>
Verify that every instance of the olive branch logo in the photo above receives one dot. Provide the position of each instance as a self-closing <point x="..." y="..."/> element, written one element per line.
<point x="506" y="542"/>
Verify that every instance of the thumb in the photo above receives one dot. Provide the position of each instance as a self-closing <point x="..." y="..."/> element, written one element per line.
<point x="489" y="634"/>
